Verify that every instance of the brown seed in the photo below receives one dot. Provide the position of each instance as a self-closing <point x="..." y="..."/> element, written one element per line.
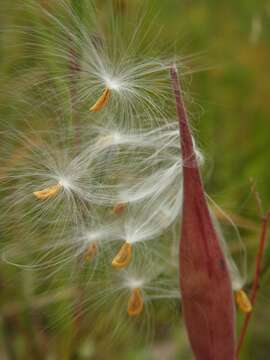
<point x="123" y="257"/>
<point x="119" y="208"/>
<point x="243" y="301"/>
<point x="135" y="302"/>
<point x="102" y="101"/>
<point x="48" y="192"/>
<point x="90" y="252"/>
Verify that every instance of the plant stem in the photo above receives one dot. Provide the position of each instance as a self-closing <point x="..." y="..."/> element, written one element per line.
<point x="256" y="282"/>
<point x="74" y="68"/>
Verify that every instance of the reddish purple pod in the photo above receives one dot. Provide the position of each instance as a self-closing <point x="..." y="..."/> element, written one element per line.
<point x="206" y="290"/>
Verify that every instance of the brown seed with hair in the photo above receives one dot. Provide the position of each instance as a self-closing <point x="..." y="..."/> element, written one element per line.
<point x="119" y="208"/>
<point x="90" y="252"/>
<point x="135" y="302"/>
<point x="243" y="301"/>
<point x="123" y="257"/>
<point x="102" y="101"/>
<point x="48" y="193"/>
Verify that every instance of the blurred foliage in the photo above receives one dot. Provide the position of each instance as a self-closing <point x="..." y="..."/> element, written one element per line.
<point x="228" y="100"/>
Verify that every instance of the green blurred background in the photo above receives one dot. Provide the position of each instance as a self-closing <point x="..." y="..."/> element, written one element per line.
<point x="230" y="108"/>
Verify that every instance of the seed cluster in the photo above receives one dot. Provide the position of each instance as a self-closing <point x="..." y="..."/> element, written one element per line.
<point x="105" y="189"/>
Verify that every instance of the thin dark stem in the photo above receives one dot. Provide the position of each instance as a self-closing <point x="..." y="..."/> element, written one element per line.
<point x="257" y="197"/>
<point x="74" y="68"/>
<point x="8" y="338"/>
<point x="256" y="281"/>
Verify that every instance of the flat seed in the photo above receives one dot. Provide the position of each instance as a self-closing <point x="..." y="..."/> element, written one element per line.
<point x="48" y="193"/>
<point x="123" y="257"/>
<point x="243" y="301"/>
<point x="102" y="101"/>
<point x="135" y="302"/>
<point x="119" y="208"/>
<point x="90" y="252"/>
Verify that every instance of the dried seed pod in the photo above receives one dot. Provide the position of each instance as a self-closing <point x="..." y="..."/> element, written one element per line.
<point x="135" y="302"/>
<point x="123" y="257"/>
<point x="206" y="289"/>
<point x="102" y="101"/>
<point x="48" y="193"/>
<point x="243" y="301"/>
<point x="90" y="252"/>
